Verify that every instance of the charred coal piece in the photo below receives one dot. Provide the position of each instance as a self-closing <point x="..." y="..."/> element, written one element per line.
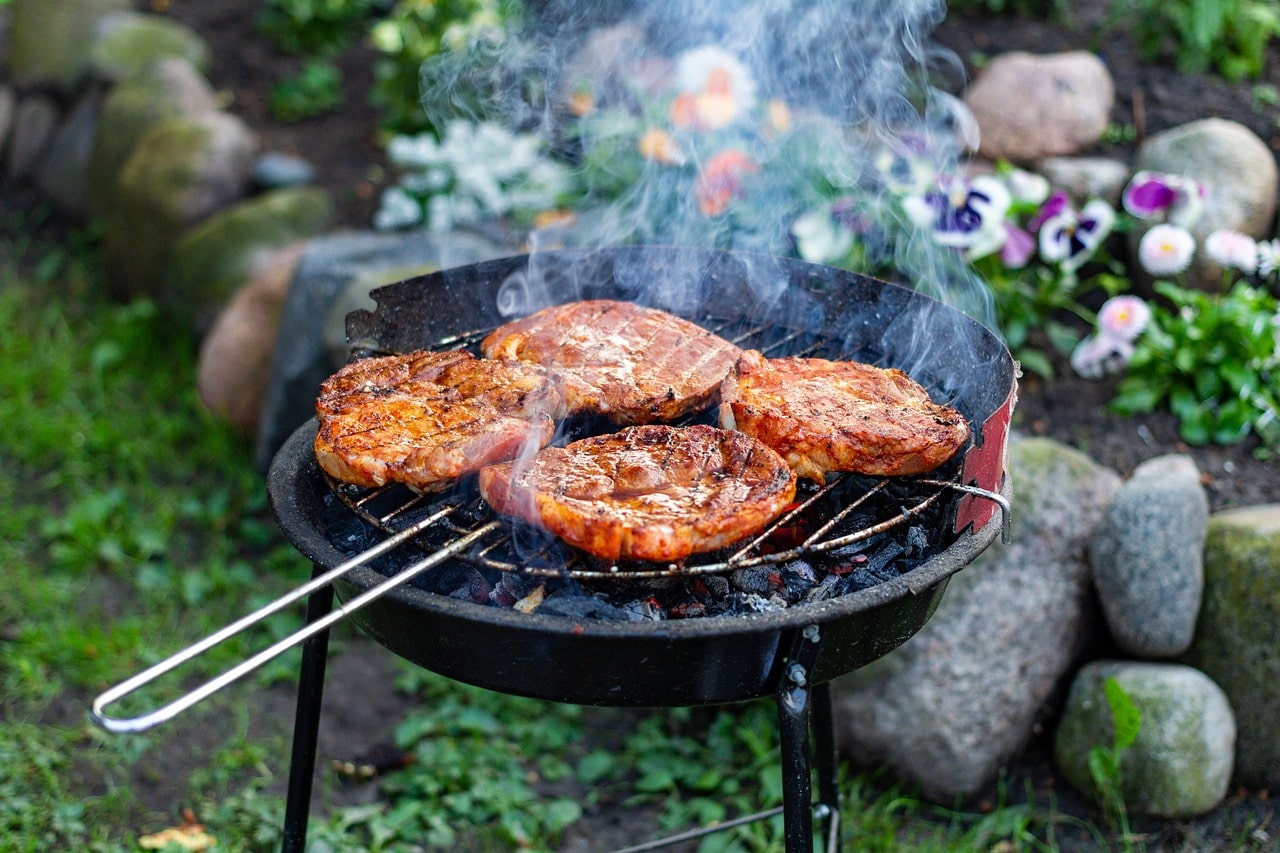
<point x="580" y="606"/>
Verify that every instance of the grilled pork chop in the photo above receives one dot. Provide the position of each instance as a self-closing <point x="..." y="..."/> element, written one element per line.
<point x="631" y="364"/>
<point x="651" y="492"/>
<point x="825" y="416"/>
<point x="425" y="418"/>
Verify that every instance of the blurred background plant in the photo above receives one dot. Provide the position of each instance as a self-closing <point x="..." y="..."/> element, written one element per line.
<point x="1229" y="37"/>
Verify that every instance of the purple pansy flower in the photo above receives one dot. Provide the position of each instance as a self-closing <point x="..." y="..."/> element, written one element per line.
<point x="1018" y="247"/>
<point x="1069" y="237"/>
<point x="1155" y="195"/>
<point x="965" y="215"/>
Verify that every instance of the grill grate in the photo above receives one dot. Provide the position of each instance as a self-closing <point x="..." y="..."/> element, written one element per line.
<point x="845" y="511"/>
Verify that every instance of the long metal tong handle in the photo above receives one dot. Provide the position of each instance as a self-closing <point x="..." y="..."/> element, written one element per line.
<point x="167" y="712"/>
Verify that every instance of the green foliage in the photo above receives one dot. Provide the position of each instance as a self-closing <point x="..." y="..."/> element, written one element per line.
<point x="314" y="27"/>
<point x="1227" y="36"/>
<point x="413" y="34"/>
<point x="1104" y="760"/>
<point x="314" y="90"/>
<point x="1214" y="361"/>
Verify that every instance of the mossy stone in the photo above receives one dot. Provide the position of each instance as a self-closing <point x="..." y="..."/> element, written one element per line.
<point x="1180" y="763"/>
<point x="47" y="40"/>
<point x="1237" y="641"/>
<point x="212" y="260"/>
<point x="181" y="171"/>
<point x="129" y="42"/>
<point x="172" y="88"/>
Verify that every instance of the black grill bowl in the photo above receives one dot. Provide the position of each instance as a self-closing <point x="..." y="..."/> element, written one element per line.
<point x="675" y="662"/>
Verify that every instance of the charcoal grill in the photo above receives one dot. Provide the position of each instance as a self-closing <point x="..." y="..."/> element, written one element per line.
<point x="780" y="306"/>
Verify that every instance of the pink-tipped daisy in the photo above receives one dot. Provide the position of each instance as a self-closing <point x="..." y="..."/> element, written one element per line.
<point x="1232" y="249"/>
<point x="1123" y="317"/>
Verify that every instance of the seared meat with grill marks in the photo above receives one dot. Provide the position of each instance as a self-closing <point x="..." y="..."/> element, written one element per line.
<point x="425" y="419"/>
<point x="631" y="364"/>
<point x="650" y="492"/>
<point x="825" y="416"/>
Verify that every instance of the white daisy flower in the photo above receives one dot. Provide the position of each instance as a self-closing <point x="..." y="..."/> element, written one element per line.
<point x="1166" y="249"/>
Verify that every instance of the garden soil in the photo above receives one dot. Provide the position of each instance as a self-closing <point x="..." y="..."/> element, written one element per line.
<point x="345" y="148"/>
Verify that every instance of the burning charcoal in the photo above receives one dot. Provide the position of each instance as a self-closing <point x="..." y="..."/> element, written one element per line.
<point x="858" y="579"/>
<point x="824" y="590"/>
<point x="879" y="565"/>
<point x="917" y="541"/>
<point x="717" y="587"/>
<point x="798" y="578"/>
<point x="582" y="608"/>
<point x="684" y="603"/>
<point x="511" y="588"/>
<point x="687" y="609"/>
<point x="461" y="582"/>
<point x="758" y="580"/>
<point x="842" y="561"/>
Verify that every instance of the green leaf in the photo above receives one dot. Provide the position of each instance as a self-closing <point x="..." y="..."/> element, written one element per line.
<point x="1104" y="769"/>
<point x="1134" y="398"/>
<point x="1127" y="717"/>
<point x="595" y="766"/>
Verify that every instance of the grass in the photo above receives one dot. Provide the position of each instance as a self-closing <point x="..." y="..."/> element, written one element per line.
<point x="131" y="524"/>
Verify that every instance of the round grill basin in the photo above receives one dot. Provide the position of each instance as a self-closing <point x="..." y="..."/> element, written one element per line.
<point x="673" y="662"/>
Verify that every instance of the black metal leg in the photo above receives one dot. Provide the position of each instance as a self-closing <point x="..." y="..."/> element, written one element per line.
<point x="306" y="725"/>
<point x="793" y="730"/>
<point x="824" y="745"/>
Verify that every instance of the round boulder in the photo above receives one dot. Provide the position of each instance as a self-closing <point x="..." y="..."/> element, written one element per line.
<point x="47" y="40"/>
<point x="181" y="171"/>
<point x="1180" y="763"/>
<point x="1147" y="558"/>
<point x="1031" y="106"/>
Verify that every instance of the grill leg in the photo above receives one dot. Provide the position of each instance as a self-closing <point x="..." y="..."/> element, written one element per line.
<point x="306" y="725"/>
<point x="793" y="731"/>
<point x="801" y="707"/>
<point x="824" y="744"/>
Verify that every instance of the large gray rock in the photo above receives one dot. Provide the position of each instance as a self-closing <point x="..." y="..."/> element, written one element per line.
<point x="48" y="40"/>
<point x="35" y="120"/>
<point x="181" y="171"/>
<point x="1030" y="106"/>
<point x="1237" y="641"/>
<point x="1238" y="172"/>
<point x="335" y="274"/>
<point x="63" y="174"/>
<point x="126" y="43"/>
<point x="213" y="259"/>
<point x="958" y="700"/>
<point x="171" y="88"/>
<point x="1180" y="763"/>
<point x="1148" y="558"/>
